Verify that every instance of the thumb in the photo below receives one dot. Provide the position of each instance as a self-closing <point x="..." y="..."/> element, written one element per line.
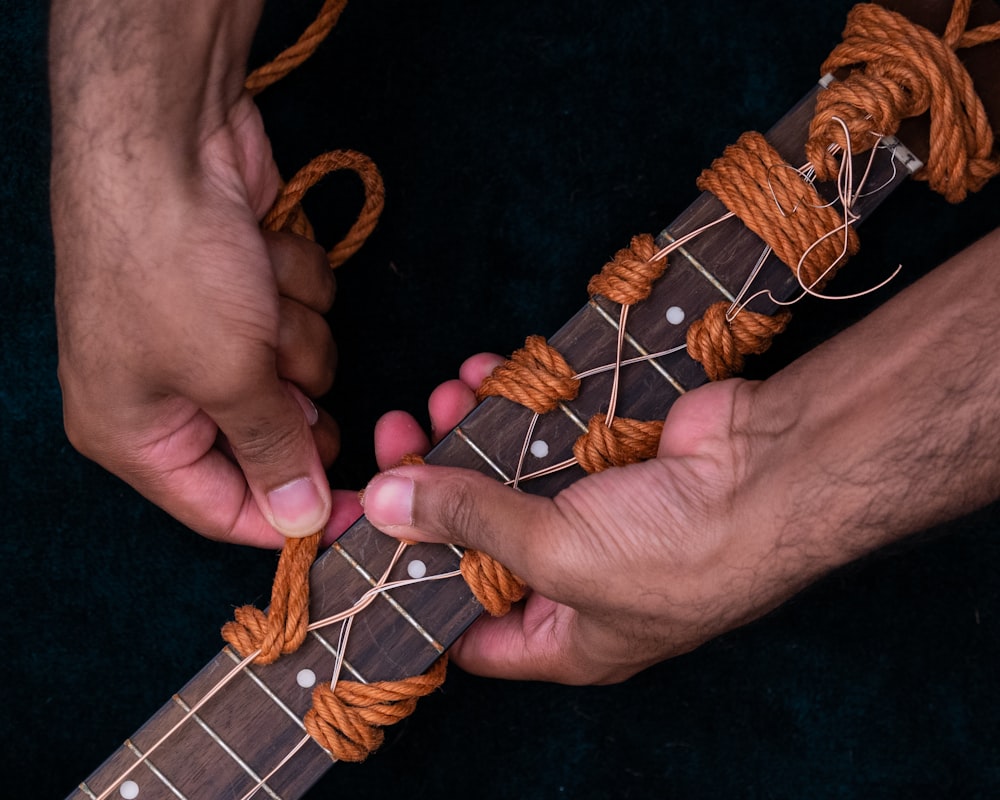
<point x="269" y="433"/>
<point x="463" y="507"/>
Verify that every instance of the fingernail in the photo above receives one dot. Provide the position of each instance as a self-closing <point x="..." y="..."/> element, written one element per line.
<point x="312" y="415"/>
<point x="388" y="501"/>
<point x="297" y="508"/>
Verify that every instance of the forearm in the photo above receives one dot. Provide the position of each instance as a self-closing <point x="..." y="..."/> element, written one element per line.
<point x="889" y="428"/>
<point x="132" y="75"/>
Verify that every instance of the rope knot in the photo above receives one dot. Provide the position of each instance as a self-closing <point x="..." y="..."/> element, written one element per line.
<point x="626" y="441"/>
<point x="536" y="376"/>
<point x="901" y="70"/>
<point x="494" y="586"/>
<point x="283" y="629"/>
<point x="348" y="720"/>
<point x="719" y="344"/>
<point x="629" y="277"/>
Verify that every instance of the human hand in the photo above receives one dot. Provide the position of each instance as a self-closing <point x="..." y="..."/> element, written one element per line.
<point x="189" y="342"/>
<point x="627" y="567"/>
<point x="758" y="489"/>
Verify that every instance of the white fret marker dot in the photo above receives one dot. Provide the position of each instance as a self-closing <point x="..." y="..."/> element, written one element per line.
<point x="129" y="790"/>
<point x="416" y="569"/>
<point x="675" y="315"/>
<point x="306" y="678"/>
<point x="539" y="448"/>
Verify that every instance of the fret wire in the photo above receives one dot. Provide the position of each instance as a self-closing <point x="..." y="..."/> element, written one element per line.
<point x="392" y="601"/>
<point x="265" y="688"/>
<point x="635" y="344"/>
<point x="87" y="791"/>
<point x="152" y="768"/>
<point x="666" y="234"/>
<point x="345" y="663"/>
<point x="228" y="750"/>
<point x="461" y="434"/>
<point x="569" y="412"/>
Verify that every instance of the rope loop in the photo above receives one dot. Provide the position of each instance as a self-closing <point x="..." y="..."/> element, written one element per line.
<point x="719" y="345"/>
<point x="348" y="720"/>
<point x="629" y="277"/>
<point x="283" y="629"/>
<point x="536" y="376"/>
<point x="899" y="70"/>
<point x="287" y="213"/>
<point x="626" y="441"/>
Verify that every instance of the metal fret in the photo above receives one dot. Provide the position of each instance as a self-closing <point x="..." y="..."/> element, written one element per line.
<point x="152" y="768"/>
<point x="265" y="688"/>
<point x="390" y="599"/>
<point x="639" y="347"/>
<point x="462" y="436"/>
<point x="694" y="262"/>
<point x="333" y="650"/>
<point x="86" y="790"/>
<point x="227" y="749"/>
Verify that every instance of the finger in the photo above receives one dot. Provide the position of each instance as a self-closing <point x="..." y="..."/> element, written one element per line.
<point x="272" y="441"/>
<point x="448" y="405"/>
<point x="307" y="354"/>
<point x="475" y="369"/>
<point x="202" y="488"/>
<point x="502" y="647"/>
<point x="326" y="434"/>
<point x="346" y="511"/>
<point x="443" y="504"/>
<point x="397" y="434"/>
<point x="301" y="270"/>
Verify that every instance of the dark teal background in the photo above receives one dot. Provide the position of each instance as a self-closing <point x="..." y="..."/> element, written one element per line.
<point x="521" y="144"/>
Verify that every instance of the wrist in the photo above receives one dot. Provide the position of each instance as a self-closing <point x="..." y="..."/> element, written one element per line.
<point x="887" y="429"/>
<point x="140" y="80"/>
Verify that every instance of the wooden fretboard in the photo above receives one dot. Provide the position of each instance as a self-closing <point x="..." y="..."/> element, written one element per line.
<point x="244" y="732"/>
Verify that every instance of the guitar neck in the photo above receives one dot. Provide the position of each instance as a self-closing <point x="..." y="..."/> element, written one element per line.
<point x="239" y="739"/>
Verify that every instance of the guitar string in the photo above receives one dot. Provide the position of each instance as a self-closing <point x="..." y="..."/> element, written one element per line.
<point x="847" y="196"/>
<point x="365" y="600"/>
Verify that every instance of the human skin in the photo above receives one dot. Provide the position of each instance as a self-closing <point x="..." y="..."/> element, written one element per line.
<point x="189" y="341"/>
<point x="758" y="489"/>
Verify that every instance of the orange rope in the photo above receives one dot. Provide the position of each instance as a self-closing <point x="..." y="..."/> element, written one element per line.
<point x="780" y="206"/>
<point x="287" y="214"/>
<point x="283" y="629"/>
<point x="625" y="441"/>
<point x="288" y="60"/>
<point x="907" y="71"/>
<point x="629" y="277"/>
<point x="719" y="345"/>
<point x="536" y="376"/>
<point x="347" y="720"/>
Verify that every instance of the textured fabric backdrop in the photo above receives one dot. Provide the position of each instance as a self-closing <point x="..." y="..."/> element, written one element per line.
<point x="521" y="144"/>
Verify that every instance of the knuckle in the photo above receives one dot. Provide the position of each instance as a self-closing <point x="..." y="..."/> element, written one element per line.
<point x="458" y="512"/>
<point x="266" y="444"/>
